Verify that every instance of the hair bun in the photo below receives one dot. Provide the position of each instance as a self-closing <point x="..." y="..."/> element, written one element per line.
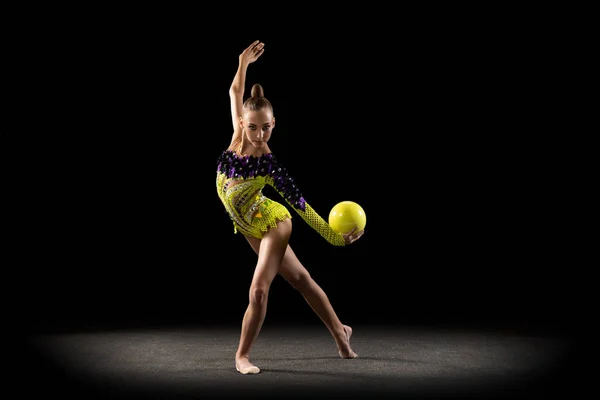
<point x="257" y="91"/>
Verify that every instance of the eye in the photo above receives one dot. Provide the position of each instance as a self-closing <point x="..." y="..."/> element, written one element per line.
<point x="266" y="128"/>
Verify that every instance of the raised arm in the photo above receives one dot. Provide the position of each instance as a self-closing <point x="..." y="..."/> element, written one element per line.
<point x="236" y="91"/>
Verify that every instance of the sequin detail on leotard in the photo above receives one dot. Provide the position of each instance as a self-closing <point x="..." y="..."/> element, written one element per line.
<point x="240" y="180"/>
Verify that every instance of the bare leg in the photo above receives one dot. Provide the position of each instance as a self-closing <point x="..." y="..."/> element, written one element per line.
<point x="270" y="255"/>
<point x="294" y="272"/>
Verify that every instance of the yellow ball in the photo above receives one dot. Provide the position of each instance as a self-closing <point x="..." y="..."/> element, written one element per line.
<point x="346" y="215"/>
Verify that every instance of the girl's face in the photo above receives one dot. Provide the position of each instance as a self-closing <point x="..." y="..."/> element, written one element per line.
<point x="258" y="126"/>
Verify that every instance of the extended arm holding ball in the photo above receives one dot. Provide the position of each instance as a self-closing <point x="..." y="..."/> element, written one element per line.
<point x="285" y="185"/>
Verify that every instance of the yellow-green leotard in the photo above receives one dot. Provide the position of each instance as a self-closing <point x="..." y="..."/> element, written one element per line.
<point x="240" y="180"/>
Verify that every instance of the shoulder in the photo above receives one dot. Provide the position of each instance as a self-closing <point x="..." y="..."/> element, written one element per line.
<point x="235" y="144"/>
<point x="225" y="157"/>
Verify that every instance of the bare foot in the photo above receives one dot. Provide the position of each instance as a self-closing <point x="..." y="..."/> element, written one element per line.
<point x="243" y="365"/>
<point x="344" y="349"/>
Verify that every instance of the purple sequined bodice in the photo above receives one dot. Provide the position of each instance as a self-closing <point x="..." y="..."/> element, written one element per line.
<point x="248" y="167"/>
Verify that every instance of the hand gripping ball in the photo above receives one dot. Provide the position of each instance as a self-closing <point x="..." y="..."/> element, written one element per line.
<point x="346" y="215"/>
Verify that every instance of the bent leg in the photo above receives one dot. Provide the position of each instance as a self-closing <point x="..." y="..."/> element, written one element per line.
<point x="296" y="274"/>
<point x="270" y="255"/>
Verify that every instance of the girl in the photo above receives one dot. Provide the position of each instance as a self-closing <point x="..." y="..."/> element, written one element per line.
<point x="244" y="168"/>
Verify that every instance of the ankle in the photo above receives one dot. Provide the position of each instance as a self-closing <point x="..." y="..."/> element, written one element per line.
<point x="340" y="335"/>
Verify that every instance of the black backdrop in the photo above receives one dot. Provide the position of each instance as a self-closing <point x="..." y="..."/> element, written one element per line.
<point x="433" y="127"/>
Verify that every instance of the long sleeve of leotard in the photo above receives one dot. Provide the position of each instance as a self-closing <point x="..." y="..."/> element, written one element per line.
<point x="285" y="185"/>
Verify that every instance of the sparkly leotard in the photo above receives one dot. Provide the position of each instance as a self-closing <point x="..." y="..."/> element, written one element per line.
<point x="240" y="180"/>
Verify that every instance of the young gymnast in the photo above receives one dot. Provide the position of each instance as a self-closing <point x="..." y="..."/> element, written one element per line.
<point x="243" y="169"/>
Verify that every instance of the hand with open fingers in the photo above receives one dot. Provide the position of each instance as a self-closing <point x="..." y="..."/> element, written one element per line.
<point x="353" y="235"/>
<point x="252" y="52"/>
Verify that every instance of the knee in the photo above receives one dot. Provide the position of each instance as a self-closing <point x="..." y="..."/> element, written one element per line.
<point x="299" y="280"/>
<point x="258" y="295"/>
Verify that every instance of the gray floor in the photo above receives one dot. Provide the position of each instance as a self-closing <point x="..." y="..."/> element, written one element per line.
<point x="301" y="361"/>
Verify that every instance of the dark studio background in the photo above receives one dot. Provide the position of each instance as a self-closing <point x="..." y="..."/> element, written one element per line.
<point x="432" y="127"/>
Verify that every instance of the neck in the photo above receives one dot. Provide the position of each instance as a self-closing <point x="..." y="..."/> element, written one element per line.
<point x="247" y="149"/>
